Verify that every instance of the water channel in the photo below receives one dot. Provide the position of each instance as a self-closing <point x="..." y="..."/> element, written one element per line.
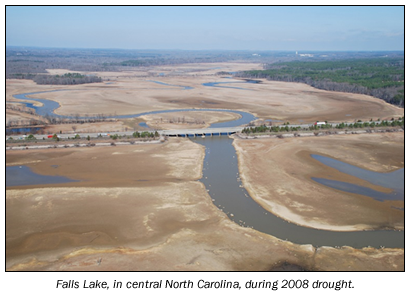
<point x="221" y="178"/>
<point x="49" y="106"/>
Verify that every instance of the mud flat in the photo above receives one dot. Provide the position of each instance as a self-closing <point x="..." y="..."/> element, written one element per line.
<point x="293" y="102"/>
<point x="140" y="208"/>
<point x="278" y="175"/>
<point x="172" y="227"/>
<point x="188" y="119"/>
<point x="159" y="219"/>
<point x="146" y="164"/>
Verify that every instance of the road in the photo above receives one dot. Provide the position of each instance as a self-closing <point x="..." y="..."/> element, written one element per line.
<point x="174" y="132"/>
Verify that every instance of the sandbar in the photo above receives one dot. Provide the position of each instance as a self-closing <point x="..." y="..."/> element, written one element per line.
<point x="277" y="174"/>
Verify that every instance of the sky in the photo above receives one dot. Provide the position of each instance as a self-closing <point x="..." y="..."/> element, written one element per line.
<point x="292" y="28"/>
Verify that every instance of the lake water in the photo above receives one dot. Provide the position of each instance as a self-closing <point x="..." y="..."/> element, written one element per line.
<point x="221" y="179"/>
<point x="23" y="175"/>
<point x="393" y="180"/>
<point x="218" y="84"/>
<point x="167" y="84"/>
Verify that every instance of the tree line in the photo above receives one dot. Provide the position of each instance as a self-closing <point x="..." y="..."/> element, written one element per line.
<point x="371" y="124"/>
<point x="66" y="79"/>
<point x="378" y="77"/>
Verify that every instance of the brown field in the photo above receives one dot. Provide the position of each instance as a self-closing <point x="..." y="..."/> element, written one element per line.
<point x="87" y="127"/>
<point x="13" y="115"/>
<point x="293" y="102"/>
<point x="188" y="119"/>
<point x="116" y="166"/>
<point x="203" y="69"/>
<point x="136" y="93"/>
<point x="139" y="208"/>
<point x="277" y="173"/>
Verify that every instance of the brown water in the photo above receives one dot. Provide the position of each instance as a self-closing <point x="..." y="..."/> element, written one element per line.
<point x="221" y="178"/>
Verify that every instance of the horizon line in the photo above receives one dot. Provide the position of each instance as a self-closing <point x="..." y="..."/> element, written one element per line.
<point x="179" y="49"/>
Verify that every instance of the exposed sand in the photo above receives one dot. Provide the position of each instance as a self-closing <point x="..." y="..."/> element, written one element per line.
<point x="173" y="226"/>
<point x="293" y="102"/>
<point x="115" y="220"/>
<point x="82" y="129"/>
<point x="202" y="69"/>
<point x="139" y="207"/>
<point x="188" y="119"/>
<point x="277" y="173"/>
<point x="179" y="159"/>
<point x="13" y="116"/>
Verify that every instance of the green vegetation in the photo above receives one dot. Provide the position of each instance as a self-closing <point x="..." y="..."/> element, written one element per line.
<point x="145" y="134"/>
<point x="379" y="77"/>
<point x="284" y="129"/>
<point x="56" y="137"/>
<point x="30" y="137"/>
<point x="66" y="79"/>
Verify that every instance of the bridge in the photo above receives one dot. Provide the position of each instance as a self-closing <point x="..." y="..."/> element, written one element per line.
<point x="201" y="132"/>
<point x="220" y="131"/>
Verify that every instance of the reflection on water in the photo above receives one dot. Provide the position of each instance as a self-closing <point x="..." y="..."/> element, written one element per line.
<point x="22" y="175"/>
<point x="393" y="180"/>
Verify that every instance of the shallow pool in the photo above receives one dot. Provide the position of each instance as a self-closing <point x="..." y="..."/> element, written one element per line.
<point x="23" y="175"/>
<point x="393" y="180"/>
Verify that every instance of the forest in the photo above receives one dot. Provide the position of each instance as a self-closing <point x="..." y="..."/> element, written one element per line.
<point x="65" y="79"/>
<point x="379" y="77"/>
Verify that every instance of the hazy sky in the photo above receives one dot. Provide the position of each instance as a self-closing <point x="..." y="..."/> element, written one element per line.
<point x="208" y="27"/>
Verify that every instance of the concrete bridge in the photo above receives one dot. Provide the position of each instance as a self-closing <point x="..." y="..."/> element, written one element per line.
<point x="201" y="132"/>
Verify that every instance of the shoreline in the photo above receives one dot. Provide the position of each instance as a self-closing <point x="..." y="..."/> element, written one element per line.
<point x="283" y="211"/>
<point x="170" y="218"/>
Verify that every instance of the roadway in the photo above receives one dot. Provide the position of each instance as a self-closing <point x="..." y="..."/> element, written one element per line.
<point x="174" y="132"/>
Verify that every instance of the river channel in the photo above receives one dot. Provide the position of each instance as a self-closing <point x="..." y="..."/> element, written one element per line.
<point x="221" y="179"/>
<point x="49" y="106"/>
